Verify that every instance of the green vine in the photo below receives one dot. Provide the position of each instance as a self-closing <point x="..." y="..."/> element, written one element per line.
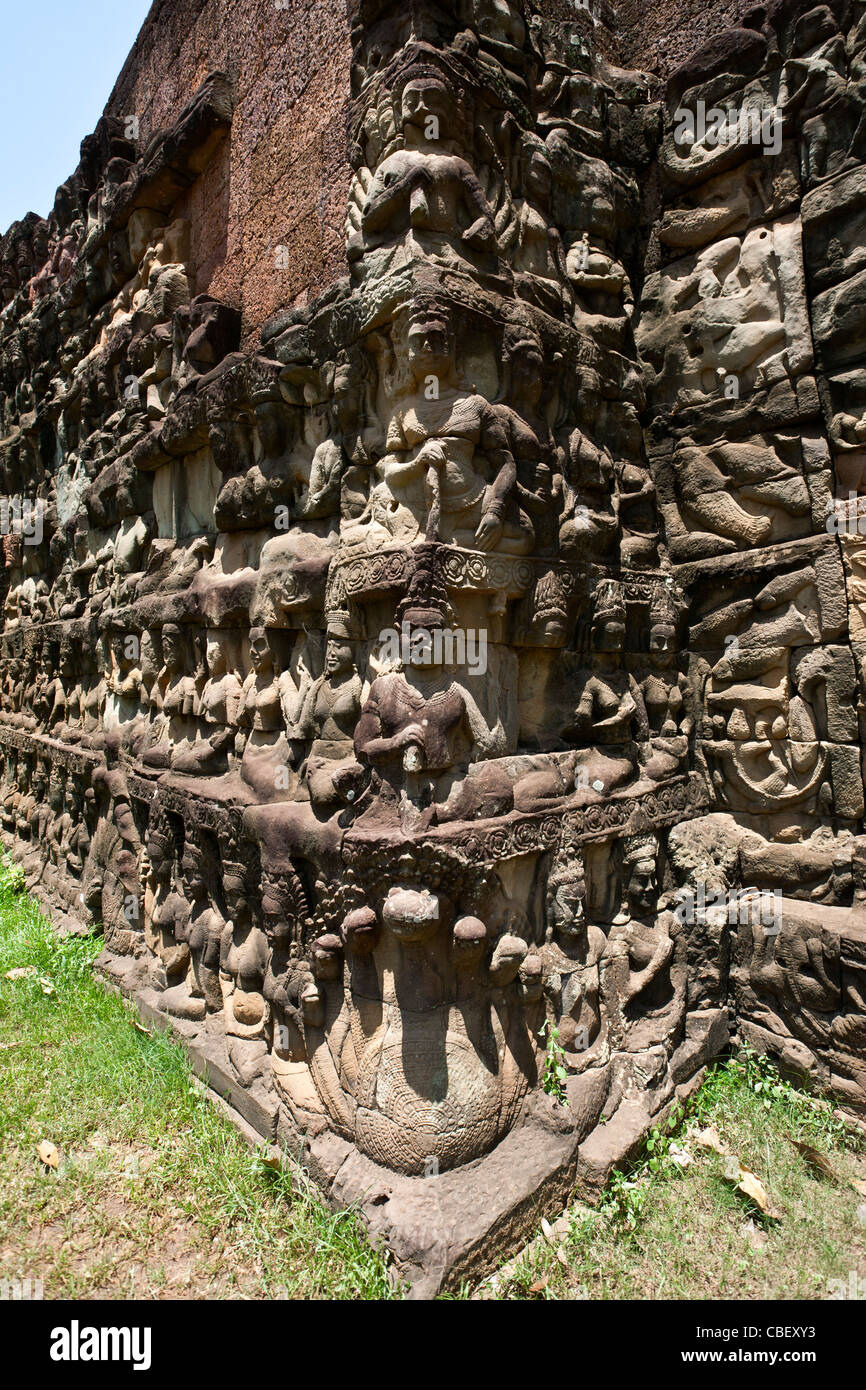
<point x="555" y="1073"/>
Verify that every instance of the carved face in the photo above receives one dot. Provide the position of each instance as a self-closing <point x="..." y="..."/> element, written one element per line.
<point x="118" y="648"/>
<point x="610" y="634"/>
<point x="425" y="652"/>
<point x="261" y="655"/>
<point x="429" y="346"/>
<point x="277" y="916"/>
<point x="641" y="892"/>
<point x="601" y="215"/>
<point x="119" y="258"/>
<point x="662" y="643"/>
<point x="160" y="853"/>
<point x="193" y="869"/>
<point x="338" y="658"/>
<point x="568" y="908"/>
<point x="97" y="276"/>
<point x="527" y="366"/>
<point x="215" y="656"/>
<point x="237" y="899"/>
<point x="423" y="98"/>
<point x="149" y="662"/>
<point x="172" y="647"/>
<point x="539" y="178"/>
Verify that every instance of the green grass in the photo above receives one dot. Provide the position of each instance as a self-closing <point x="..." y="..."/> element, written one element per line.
<point x="666" y="1232"/>
<point x="156" y="1194"/>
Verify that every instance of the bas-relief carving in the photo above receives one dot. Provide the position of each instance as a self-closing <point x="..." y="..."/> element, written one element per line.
<point x="374" y="871"/>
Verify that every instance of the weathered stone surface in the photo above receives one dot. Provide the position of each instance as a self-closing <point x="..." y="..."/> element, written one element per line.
<point x="433" y="581"/>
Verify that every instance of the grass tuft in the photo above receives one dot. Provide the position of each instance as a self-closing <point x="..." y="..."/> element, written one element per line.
<point x="156" y="1194"/>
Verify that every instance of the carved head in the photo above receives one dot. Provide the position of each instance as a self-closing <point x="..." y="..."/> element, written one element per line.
<point x="238" y="894"/>
<point x="539" y="178"/>
<point x="215" y="655"/>
<point x="430" y="348"/>
<point x="67" y="657"/>
<point x="173" y="648"/>
<point x="56" y="791"/>
<point x="193" y="869"/>
<point x="339" y="657"/>
<point x="566" y="897"/>
<point x="641" y="887"/>
<point x="525" y="356"/>
<point x="119" y="651"/>
<point x="664" y="638"/>
<point x="120" y="258"/>
<point x="150" y="658"/>
<point x="261" y="651"/>
<point x="411" y="914"/>
<point x="608" y="627"/>
<point x="425" y="98"/>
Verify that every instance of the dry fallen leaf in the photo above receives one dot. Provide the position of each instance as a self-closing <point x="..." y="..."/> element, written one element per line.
<point x="48" y="1153"/>
<point x="709" y="1138"/>
<point x="754" y="1189"/>
<point x="47" y="986"/>
<point x="540" y="1284"/>
<point x="21" y="972"/>
<point x="751" y="1186"/>
<point x="546" y="1229"/>
<point x="815" y="1159"/>
<point x="859" y="1186"/>
<point x="148" y="1032"/>
<point x="560" y="1255"/>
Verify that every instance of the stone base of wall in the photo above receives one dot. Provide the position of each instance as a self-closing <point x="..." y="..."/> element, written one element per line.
<point x="458" y="1225"/>
<point x="445" y="1227"/>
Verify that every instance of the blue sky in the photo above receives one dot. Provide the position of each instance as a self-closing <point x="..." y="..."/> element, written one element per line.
<point x="58" y="63"/>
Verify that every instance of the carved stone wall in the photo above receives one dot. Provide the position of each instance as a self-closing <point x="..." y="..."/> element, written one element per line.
<point x="438" y="667"/>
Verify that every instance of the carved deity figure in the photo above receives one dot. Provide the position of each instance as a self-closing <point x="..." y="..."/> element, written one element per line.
<point x="216" y="708"/>
<point x="424" y="200"/>
<point x="448" y="473"/>
<point x="267" y="716"/>
<point x="329" y="716"/>
<point x="420" y="728"/>
<point x="610" y="711"/>
<point x="643" y="970"/>
<point x="244" y="955"/>
<point x="573" y="948"/>
<point x="666" y="692"/>
<point x="533" y="240"/>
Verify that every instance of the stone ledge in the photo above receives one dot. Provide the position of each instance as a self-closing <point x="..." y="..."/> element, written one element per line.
<point x="458" y="1224"/>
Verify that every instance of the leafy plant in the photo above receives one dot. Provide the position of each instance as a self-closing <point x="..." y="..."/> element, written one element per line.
<point x="624" y="1199"/>
<point x="555" y="1073"/>
<point x="753" y="1072"/>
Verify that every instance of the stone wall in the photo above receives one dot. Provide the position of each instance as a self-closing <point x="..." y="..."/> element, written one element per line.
<point x="282" y="176"/>
<point x="432" y="639"/>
